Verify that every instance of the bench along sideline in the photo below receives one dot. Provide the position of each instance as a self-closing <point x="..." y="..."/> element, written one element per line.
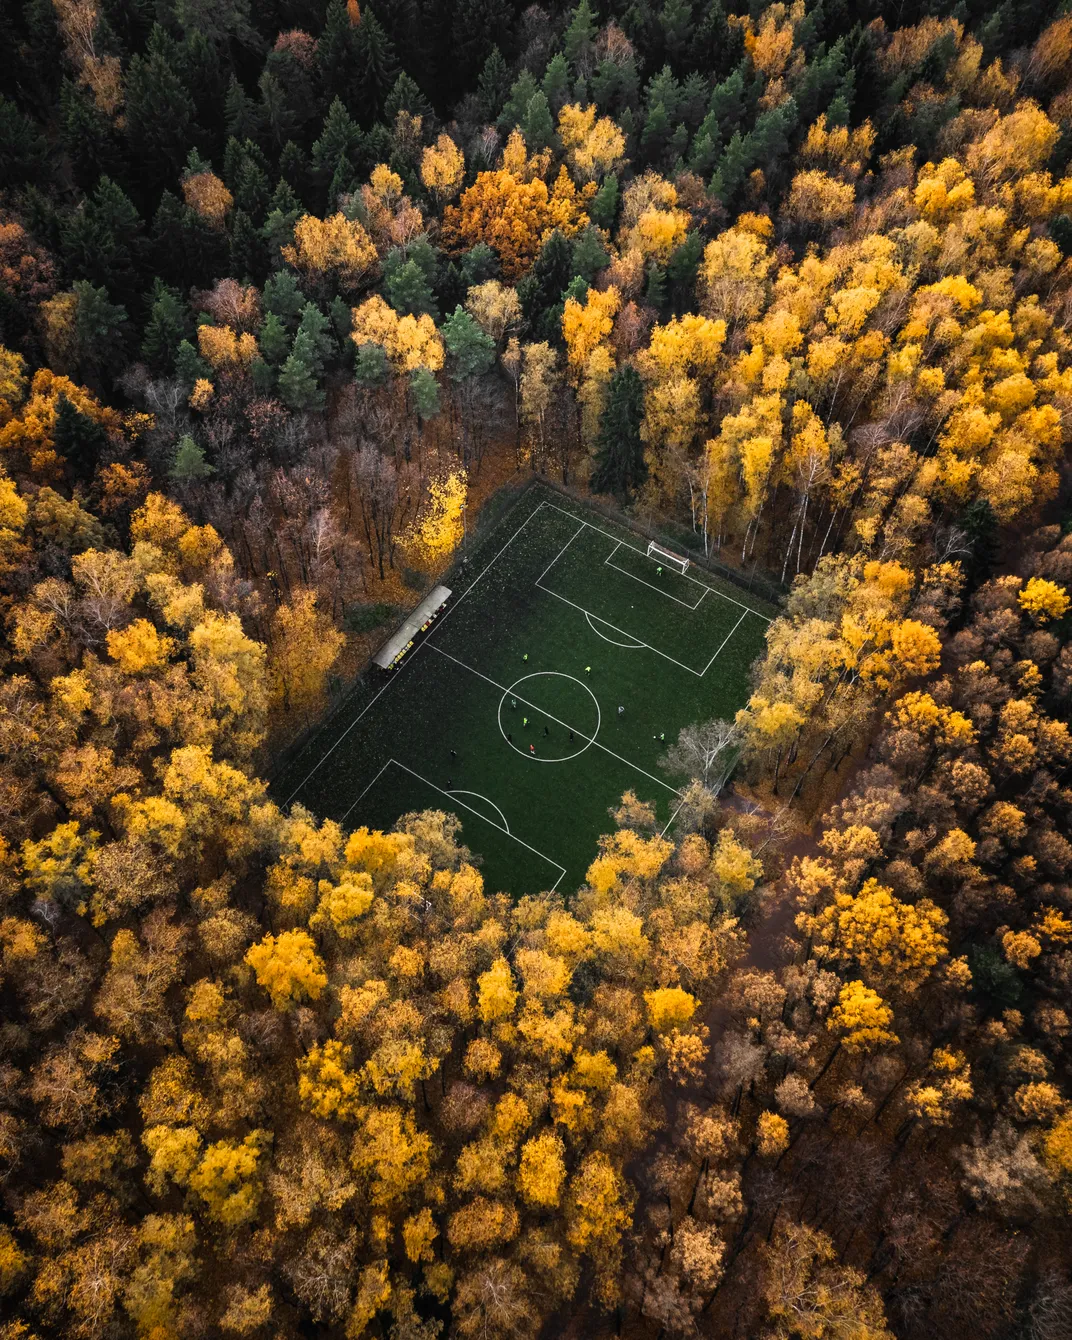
<point x="668" y="556"/>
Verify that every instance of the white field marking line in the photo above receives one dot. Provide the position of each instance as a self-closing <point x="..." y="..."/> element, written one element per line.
<point x="532" y="757"/>
<point x="513" y="836"/>
<point x="670" y="821"/>
<point x="673" y="660"/>
<point x="607" y="535"/>
<point x="725" y="640"/>
<point x="537" y="708"/>
<point x="628" y="646"/>
<point x="365" y="791"/>
<point x="440" y="621"/>
<point x="651" y="585"/>
<point x="581" y="609"/>
<point x="552" y="563"/>
<point x="458" y="791"/>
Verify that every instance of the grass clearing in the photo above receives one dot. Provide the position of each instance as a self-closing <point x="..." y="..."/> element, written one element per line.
<point x="508" y="713"/>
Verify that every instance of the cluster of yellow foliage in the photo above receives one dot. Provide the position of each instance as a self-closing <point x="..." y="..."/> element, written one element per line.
<point x="512" y="210"/>
<point x="28" y="421"/>
<point x="207" y="196"/>
<point x="443" y="168"/>
<point x="335" y="246"/>
<point x="410" y="342"/>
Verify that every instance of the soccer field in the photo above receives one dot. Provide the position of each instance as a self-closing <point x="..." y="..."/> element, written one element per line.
<point x="541" y="749"/>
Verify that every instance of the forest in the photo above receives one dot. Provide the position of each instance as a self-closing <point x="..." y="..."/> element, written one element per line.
<point x="288" y="292"/>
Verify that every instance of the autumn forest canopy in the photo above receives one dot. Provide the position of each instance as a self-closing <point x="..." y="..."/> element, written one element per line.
<point x="289" y="292"/>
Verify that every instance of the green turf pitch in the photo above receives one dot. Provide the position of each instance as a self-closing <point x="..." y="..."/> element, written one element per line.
<point x="570" y="590"/>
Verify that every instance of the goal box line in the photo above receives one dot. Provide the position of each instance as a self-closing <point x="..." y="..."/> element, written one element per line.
<point x="679" y="560"/>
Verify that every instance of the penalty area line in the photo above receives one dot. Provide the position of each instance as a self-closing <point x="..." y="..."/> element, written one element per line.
<point x="733" y="630"/>
<point x="461" y="803"/>
<point x="607" y="535"/>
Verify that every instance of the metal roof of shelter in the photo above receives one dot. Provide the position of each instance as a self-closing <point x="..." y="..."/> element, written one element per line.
<point x="396" y="647"/>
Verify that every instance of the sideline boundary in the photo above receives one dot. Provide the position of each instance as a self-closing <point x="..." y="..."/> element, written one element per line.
<point x="442" y="620"/>
<point x="634" y="644"/>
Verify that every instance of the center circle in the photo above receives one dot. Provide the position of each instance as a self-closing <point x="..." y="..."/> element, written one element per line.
<point x="575" y="712"/>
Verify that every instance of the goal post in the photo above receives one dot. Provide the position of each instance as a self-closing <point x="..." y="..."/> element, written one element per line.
<point x="662" y="555"/>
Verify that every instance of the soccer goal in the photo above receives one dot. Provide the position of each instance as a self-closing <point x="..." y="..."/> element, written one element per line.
<point x="657" y="552"/>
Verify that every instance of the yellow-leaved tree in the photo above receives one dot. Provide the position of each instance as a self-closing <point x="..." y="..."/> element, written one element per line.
<point x="438" y="532"/>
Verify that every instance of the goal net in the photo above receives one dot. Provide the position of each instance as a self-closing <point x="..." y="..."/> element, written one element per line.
<point x="662" y="555"/>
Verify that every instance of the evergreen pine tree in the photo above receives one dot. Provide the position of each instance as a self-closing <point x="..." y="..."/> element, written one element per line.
<point x="493" y="86"/>
<point x="251" y="190"/>
<point x="249" y="260"/>
<point x="169" y="323"/>
<point x="589" y="255"/>
<point x="556" y="82"/>
<point x="263" y="376"/>
<point x="522" y="92"/>
<point x="540" y="291"/>
<point x="278" y="230"/>
<point x="159" y="111"/>
<point x="100" y="330"/>
<point x="298" y="384"/>
<point x="656" y="136"/>
<point x="296" y="79"/>
<point x="86" y="133"/>
<point x="336" y="56"/>
<point x="678" y="33"/>
<point x="733" y="166"/>
<point x="537" y="126"/>
<point x="241" y="116"/>
<point x="273" y="340"/>
<point x="727" y="103"/>
<point x="314" y="330"/>
<point x="619" y="467"/>
<point x="203" y="75"/>
<point x="284" y="298"/>
<point x="681" y="271"/>
<point x="719" y="44"/>
<point x="424" y="392"/>
<point x="704" y="149"/>
<point x="21" y="147"/>
<point x="405" y="96"/>
<point x="104" y="240"/>
<point x="79" y="440"/>
<point x="294" y="169"/>
<point x="189" y="365"/>
<point x="377" y="67"/>
<point x="655" y="287"/>
<point x="408" y="291"/>
<point x="279" y="118"/>
<point x="477" y="28"/>
<point x="206" y="249"/>
<point x="580" y="36"/>
<point x="341" y="316"/>
<point x="604" y="207"/>
<point x="188" y="464"/>
<point x="479" y="264"/>
<point x="471" y="351"/>
<point x="370" y="366"/>
<point x="337" y="151"/>
<point x="166" y="241"/>
<point x="980" y="526"/>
